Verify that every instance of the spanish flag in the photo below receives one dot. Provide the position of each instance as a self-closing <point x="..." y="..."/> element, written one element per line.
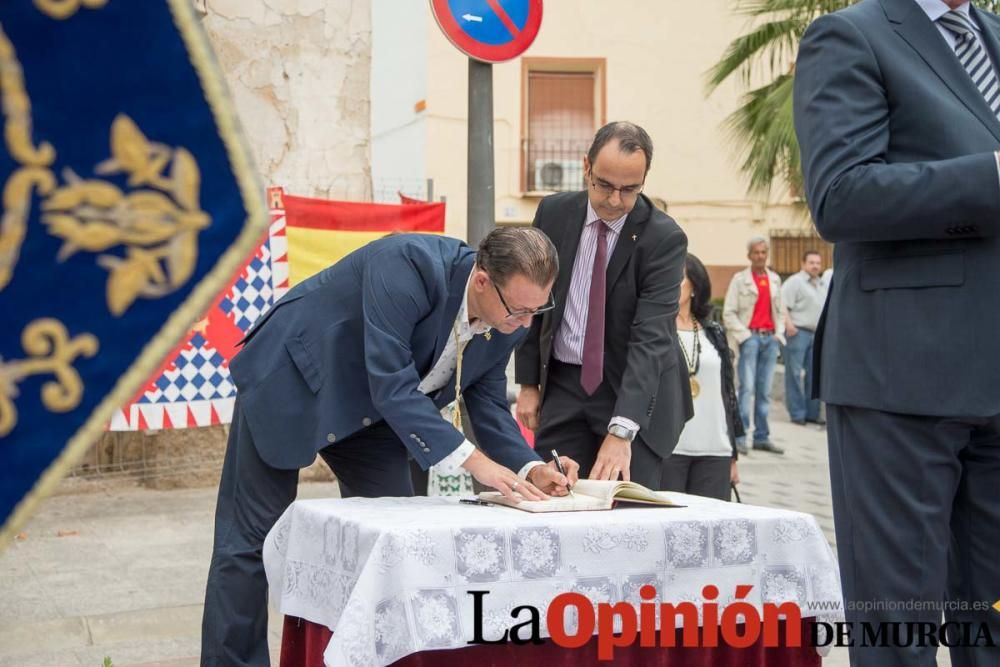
<point x="305" y="236"/>
<point x="321" y="231"/>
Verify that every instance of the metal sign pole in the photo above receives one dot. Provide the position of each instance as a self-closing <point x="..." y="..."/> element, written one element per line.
<point x="481" y="211"/>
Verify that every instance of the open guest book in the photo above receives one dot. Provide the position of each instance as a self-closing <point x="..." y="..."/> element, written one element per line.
<point x="588" y="494"/>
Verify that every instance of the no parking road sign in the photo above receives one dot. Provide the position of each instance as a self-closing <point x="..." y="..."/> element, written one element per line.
<point x="489" y="30"/>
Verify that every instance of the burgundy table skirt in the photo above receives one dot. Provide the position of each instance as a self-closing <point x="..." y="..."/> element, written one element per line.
<point x="303" y="644"/>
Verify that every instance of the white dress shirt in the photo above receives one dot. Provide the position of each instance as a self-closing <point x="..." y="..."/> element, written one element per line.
<point x="935" y="9"/>
<point x="443" y="372"/>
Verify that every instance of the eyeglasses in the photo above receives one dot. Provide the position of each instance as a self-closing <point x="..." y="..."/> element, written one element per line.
<point x="606" y="189"/>
<point x="512" y="314"/>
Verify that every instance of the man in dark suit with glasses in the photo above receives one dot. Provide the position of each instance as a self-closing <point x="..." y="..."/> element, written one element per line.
<point x="600" y="375"/>
<point x="354" y="364"/>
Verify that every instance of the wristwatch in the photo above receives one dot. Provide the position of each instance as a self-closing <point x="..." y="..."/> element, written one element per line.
<point x="620" y="431"/>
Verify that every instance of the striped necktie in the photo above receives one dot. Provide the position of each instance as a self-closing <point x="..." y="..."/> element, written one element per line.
<point x="973" y="56"/>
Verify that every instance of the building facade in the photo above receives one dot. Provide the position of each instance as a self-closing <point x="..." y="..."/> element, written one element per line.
<point x="592" y="62"/>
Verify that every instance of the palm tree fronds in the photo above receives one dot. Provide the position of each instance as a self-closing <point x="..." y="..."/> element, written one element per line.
<point x="761" y="128"/>
<point x="774" y="40"/>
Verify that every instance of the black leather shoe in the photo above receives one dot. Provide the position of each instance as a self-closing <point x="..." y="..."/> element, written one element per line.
<point x="799" y="422"/>
<point x="818" y="422"/>
<point x="768" y="446"/>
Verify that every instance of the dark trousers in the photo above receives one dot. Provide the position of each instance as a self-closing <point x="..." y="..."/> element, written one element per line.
<point x="917" y="515"/>
<point x="575" y="425"/>
<point x="698" y="475"/>
<point x="252" y="496"/>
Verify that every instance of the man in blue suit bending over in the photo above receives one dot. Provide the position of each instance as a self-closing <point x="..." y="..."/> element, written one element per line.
<point x="355" y="363"/>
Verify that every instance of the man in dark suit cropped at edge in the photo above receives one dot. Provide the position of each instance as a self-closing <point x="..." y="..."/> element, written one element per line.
<point x="600" y="375"/>
<point x="355" y="364"/>
<point x="896" y="110"/>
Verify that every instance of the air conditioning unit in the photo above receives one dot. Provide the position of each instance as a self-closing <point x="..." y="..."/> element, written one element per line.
<point x="559" y="175"/>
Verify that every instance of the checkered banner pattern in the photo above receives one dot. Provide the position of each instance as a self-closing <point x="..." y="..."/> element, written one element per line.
<point x="193" y="386"/>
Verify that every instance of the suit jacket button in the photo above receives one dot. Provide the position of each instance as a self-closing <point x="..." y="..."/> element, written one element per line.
<point x="366" y="421"/>
<point x="413" y="436"/>
<point x="331" y="438"/>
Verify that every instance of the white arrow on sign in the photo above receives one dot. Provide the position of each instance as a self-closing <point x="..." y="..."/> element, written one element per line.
<point x="472" y="17"/>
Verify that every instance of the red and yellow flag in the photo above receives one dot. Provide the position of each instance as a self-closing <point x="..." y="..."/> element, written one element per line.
<point x="321" y="231"/>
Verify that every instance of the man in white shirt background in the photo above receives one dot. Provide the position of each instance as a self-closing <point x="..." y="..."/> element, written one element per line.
<point x="802" y="296"/>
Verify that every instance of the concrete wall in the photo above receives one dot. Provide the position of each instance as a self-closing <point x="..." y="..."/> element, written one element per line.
<point x="399" y="86"/>
<point x="298" y="71"/>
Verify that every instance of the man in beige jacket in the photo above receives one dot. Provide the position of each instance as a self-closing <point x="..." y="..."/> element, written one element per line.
<point x="755" y="319"/>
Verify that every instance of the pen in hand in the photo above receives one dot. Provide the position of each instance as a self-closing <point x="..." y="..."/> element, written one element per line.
<point x="562" y="471"/>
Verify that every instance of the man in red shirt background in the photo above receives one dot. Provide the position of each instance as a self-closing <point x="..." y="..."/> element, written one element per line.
<point x="754" y="318"/>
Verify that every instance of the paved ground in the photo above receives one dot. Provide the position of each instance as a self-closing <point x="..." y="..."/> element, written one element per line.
<point x="121" y="572"/>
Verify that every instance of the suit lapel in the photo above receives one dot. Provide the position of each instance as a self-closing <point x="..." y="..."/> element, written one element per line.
<point x="629" y="236"/>
<point x="472" y="355"/>
<point x="910" y="23"/>
<point x="456" y="291"/>
<point x="571" y="230"/>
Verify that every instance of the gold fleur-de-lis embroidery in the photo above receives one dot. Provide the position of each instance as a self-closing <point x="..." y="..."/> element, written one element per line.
<point x="63" y="9"/>
<point x="33" y="175"/>
<point x="50" y="350"/>
<point x="158" y="226"/>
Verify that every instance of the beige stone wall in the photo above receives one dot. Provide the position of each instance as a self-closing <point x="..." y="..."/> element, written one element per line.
<point x="298" y="71"/>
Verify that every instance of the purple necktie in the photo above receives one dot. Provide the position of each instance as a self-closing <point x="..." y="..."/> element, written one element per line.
<point x="593" y="337"/>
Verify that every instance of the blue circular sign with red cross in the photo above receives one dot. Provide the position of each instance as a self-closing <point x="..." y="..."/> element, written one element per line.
<point x="489" y="30"/>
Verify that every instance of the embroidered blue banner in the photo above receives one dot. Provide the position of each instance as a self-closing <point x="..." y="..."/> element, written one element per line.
<point x="128" y="201"/>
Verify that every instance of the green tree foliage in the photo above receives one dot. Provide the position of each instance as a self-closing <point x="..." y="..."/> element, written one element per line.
<point x="763" y="60"/>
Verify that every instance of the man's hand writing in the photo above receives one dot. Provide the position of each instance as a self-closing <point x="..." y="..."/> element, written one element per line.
<point x="551" y="481"/>
<point x="502" y="479"/>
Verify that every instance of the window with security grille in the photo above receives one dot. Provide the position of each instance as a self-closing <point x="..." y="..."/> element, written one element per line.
<point x="561" y="115"/>
<point x="788" y="246"/>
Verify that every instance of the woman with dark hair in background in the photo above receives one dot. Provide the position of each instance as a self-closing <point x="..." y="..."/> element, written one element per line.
<point x="704" y="461"/>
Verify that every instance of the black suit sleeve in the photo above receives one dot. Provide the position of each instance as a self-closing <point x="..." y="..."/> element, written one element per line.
<point x="527" y="358"/>
<point x="650" y="343"/>
<point x="734" y="424"/>
<point x="842" y="120"/>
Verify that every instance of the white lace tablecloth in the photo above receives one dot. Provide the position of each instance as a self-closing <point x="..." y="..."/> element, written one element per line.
<point x="390" y="576"/>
